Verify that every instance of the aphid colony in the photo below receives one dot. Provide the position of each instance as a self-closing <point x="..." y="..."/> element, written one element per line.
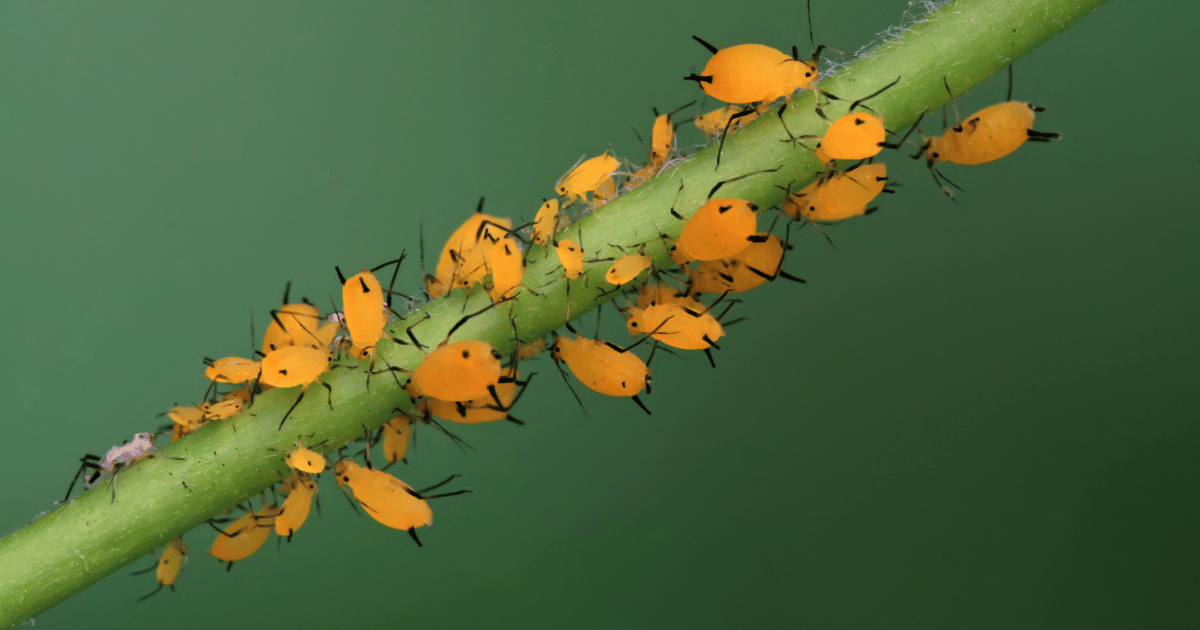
<point x="721" y="249"/>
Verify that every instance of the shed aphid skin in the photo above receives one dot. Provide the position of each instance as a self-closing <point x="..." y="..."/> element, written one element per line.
<point x="300" y="489"/>
<point x="855" y="135"/>
<point x="987" y="135"/>
<point x="244" y="536"/>
<point x="118" y="457"/>
<point x="586" y="177"/>
<point x="166" y="570"/>
<point x="387" y="499"/>
<point x="603" y="366"/>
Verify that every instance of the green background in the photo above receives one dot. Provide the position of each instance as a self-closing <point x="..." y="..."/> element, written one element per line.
<point x="972" y="416"/>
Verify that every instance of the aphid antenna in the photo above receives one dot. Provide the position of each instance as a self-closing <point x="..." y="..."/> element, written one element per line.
<point x="739" y="177"/>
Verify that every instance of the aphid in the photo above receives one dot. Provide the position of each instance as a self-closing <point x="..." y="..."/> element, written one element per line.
<point x="231" y="370"/>
<point x="856" y="135"/>
<point x="586" y="177"/>
<point x="689" y="328"/>
<point x="570" y="254"/>
<point x="300" y="490"/>
<point x="168" y="567"/>
<point x="295" y="324"/>
<point x="396" y="433"/>
<point x="718" y="229"/>
<point x="482" y="409"/>
<point x="762" y="261"/>
<point x="662" y="145"/>
<point x="603" y="366"/>
<point x="244" y="536"/>
<point x="459" y="371"/>
<point x="723" y="120"/>
<point x="508" y="269"/>
<point x="186" y="419"/>
<point x="122" y="455"/>
<point x="305" y="460"/>
<point x="463" y="253"/>
<point x="545" y="223"/>
<point x="839" y="196"/>
<point x="296" y="366"/>
<point x="753" y="73"/>
<point x="223" y="409"/>
<point x="989" y="134"/>
<point x="627" y="268"/>
<point x="387" y="499"/>
<point x="365" y="311"/>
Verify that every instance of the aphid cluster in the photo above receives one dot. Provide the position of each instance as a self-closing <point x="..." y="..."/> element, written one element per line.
<point x="721" y="249"/>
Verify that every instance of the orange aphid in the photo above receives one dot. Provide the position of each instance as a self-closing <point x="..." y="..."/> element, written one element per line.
<point x="508" y="269"/>
<point x="987" y="135"/>
<point x="855" y="135"/>
<point x="714" y="123"/>
<point x="296" y="366"/>
<point x="385" y="498"/>
<point x="396" y="434"/>
<point x="545" y="223"/>
<point x="305" y="460"/>
<point x="231" y="370"/>
<point x="458" y="371"/>
<point x="627" y="268"/>
<point x="169" y="566"/>
<point x="677" y="326"/>
<point x="244" y="536"/>
<point x="570" y="254"/>
<point x="839" y="196"/>
<point x="587" y="177"/>
<point x="603" y="366"/>
<point x="300" y="490"/>
<point x="719" y="229"/>
<point x="753" y="73"/>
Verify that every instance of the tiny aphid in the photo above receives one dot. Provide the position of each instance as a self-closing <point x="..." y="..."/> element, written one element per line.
<point x="168" y="567"/>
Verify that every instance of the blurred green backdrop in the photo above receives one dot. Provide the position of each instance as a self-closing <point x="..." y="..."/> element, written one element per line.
<point x="971" y="416"/>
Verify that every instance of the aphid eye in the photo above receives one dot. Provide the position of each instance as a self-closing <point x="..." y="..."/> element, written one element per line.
<point x="934" y="155"/>
<point x="466" y="354"/>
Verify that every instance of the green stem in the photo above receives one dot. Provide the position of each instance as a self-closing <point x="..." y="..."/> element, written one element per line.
<point x="230" y="461"/>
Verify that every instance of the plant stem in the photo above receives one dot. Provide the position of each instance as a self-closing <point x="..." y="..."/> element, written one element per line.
<point x="228" y="462"/>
